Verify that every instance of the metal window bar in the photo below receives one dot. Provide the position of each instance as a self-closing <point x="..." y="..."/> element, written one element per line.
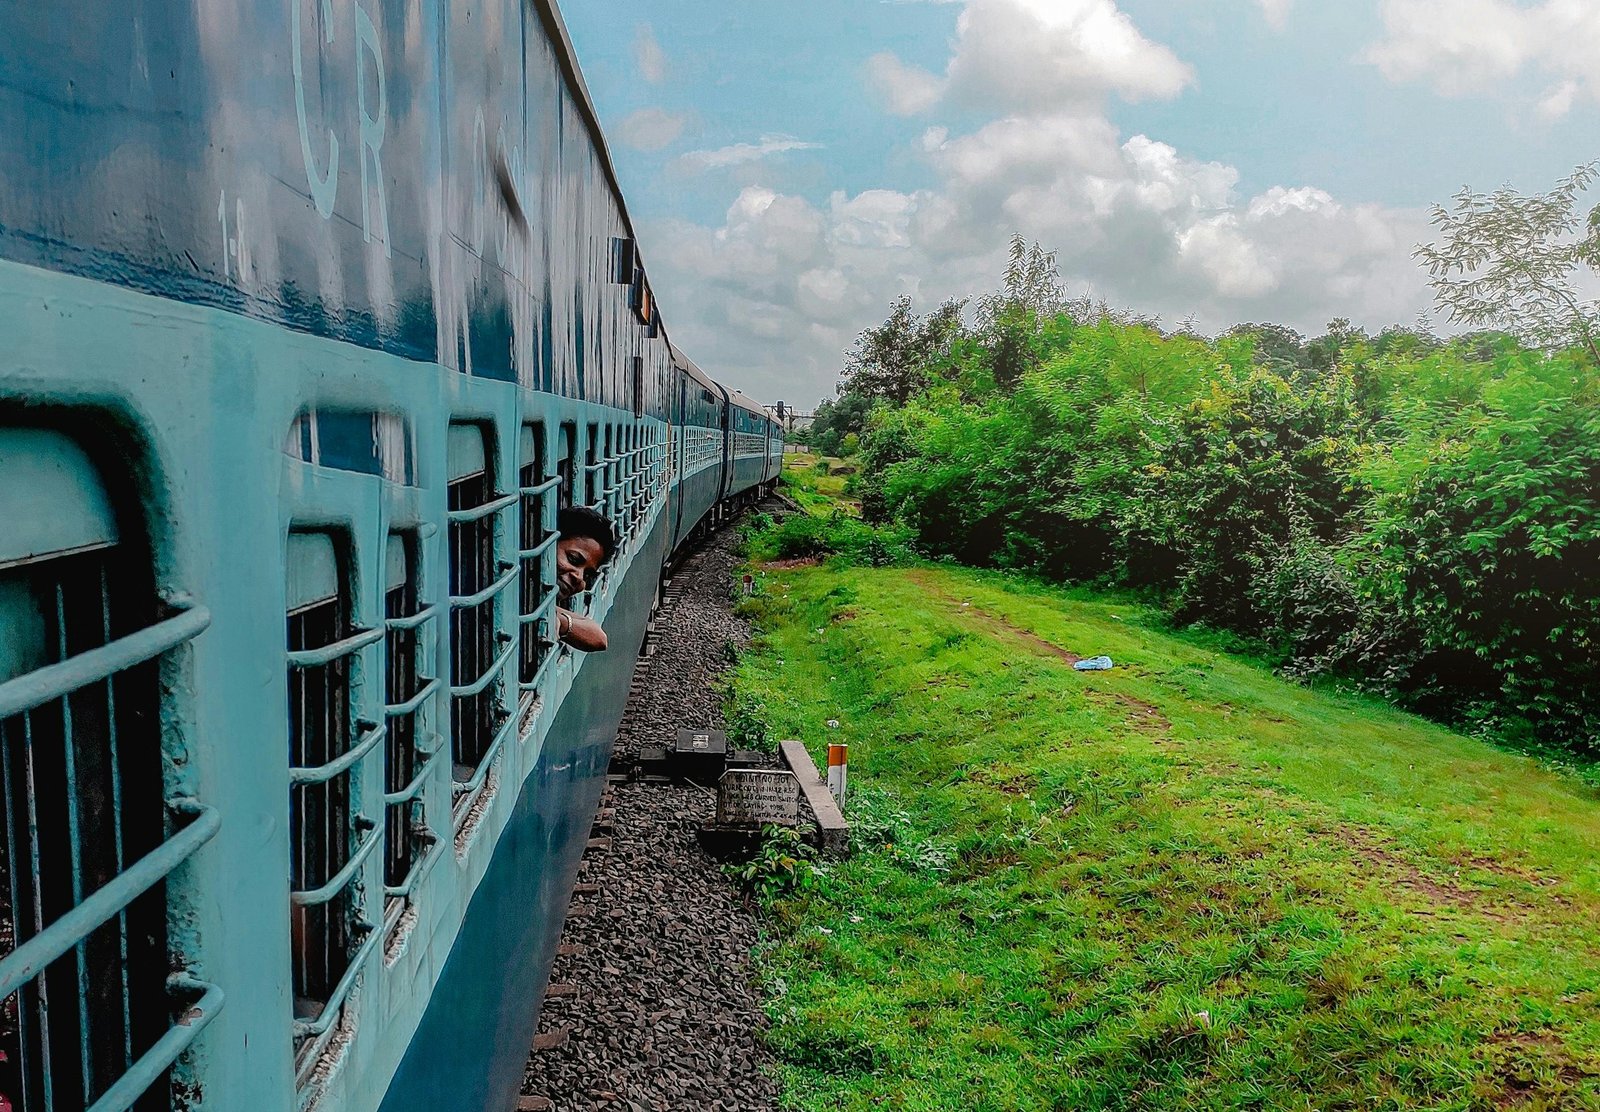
<point x="87" y="1015"/>
<point x="406" y="834"/>
<point x="592" y="466"/>
<point x="331" y="838"/>
<point x="635" y="477"/>
<point x="477" y="578"/>
<point x="537" y="560"/>
<point x="608" y="475"/>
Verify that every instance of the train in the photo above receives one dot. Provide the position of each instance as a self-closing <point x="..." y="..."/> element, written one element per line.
<point x="315" y="315"/>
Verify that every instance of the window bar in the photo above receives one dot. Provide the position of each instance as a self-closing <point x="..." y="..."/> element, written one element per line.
<point x="594" y="499"/>
<point x="327" y="743"/>
<point x="95" y="928"/>
<point x="401" y="686"/>
<point x="537" y="579"/>
<point x="537" y="621"/>
<point x="42" y="989"/>
<point x="169" y="1048"/>
<point x="475" y="709"/>
<point x="116" y="828"/>
<point x="409" y="765"/>
<point x="56" y="681"/>
<point x="612" y="461"/>
<point x="75" y="836"/>
<point x="33" y="956"/>
<point x="470" y="788"/>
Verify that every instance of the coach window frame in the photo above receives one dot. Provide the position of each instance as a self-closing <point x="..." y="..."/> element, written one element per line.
<point x="477" y="520"/>
<point x="317" y="561"/>
<point x="131" y="657"/>
<point x="410" y="697"/>
<point x="540" y="490"/>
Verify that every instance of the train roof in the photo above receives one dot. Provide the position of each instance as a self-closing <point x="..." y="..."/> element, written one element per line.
<point x="692" y="369"/>
<point x="745" y="401"/>
<point x="556" y="27"/>
<point x="567" y="58"/>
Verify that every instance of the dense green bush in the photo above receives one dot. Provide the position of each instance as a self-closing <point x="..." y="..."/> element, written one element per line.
<point x="806" y="536"/>
<point x="1419" y="518"/>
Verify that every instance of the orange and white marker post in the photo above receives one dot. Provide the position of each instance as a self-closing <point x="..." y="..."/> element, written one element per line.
<point x="838" y="761"/>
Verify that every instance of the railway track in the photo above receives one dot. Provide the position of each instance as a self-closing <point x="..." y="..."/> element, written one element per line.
<point x="652" y="1002"/>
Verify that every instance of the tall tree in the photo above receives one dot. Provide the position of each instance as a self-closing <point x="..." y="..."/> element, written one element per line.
<point x="891" y="362"/>
<point x="1513" y="262"/>
<point x="1011" y="320"/>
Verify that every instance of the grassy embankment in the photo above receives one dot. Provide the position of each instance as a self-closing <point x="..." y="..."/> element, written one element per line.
<point x="1184" y="883"/>
<point x="817" y="483"/>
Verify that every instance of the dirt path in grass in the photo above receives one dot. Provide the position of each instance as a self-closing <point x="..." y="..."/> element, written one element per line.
<point x="993" y="624"/>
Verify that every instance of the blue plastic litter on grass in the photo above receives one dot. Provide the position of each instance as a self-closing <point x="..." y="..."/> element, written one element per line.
<point x="1095" y="664"/>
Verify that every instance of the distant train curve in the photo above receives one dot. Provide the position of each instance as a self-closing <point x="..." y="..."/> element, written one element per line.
<point x="316" y="313"/>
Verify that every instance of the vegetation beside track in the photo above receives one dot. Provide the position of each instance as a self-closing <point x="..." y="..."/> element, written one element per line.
<point x="1184" y="883"/>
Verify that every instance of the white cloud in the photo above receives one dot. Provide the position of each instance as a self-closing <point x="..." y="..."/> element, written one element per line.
<point x="651" y="129"/>
<point x="1470" y="46"/>
<point x="1557" y="102"/>
<point x="740" y="153"/>
<point x="1277" y="12"/>
<point x="906" y="90"/>
<point x="775" y="291"/>
<point x="1036" y="56"/>
<point x="648" y="55"/>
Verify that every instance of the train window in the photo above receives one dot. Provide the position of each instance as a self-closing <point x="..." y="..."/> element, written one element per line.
<point x="592" y="479"/>
<point x="613" y="474"/>
<point x="565" y="467"/>
<point x="330" y="836"/>
<point x="407" y="700"/>
<point x="87" y="999"/>
<point x="361" y="441"/>
<point x="478" y="578"/>
<point x="537" y="554"/>
<point x="624" y="260"/>
<point x="619" y="482"/>
<point x="630" y="471"/>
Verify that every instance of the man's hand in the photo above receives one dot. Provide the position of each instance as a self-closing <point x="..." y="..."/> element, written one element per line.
<point x="583" y="634"/>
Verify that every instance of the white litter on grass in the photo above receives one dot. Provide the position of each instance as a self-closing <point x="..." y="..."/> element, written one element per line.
<point x="833" y="723"/>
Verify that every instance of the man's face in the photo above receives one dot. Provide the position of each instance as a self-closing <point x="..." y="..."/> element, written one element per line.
<point x="577" y="561"/>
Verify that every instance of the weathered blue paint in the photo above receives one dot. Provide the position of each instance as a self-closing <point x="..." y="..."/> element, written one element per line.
<point x="331" y="166"/>
<point x="255" y="262"/>
<point x="472" y="1046"/>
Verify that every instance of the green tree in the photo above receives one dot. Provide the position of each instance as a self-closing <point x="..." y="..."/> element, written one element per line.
<point x="1249" y="464"/>
<point x="1012" y="321"/>
<point x="891" y="361"/>
<point x="1513" y="262"/>
<point x="837" y="419"/>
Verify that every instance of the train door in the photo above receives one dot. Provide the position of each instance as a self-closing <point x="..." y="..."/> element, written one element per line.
<point x="725" y="487"/>
<point x="679" y="434"/>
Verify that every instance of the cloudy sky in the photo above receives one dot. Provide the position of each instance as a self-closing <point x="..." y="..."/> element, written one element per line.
<point x="794" y="167"/>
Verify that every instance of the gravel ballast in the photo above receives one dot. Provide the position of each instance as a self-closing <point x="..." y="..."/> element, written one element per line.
<point x="653" y="1002"/>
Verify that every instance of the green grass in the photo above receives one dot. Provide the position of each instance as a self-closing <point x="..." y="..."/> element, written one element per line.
<point x="817" y="483"/>
<point x="1184" y="883"/>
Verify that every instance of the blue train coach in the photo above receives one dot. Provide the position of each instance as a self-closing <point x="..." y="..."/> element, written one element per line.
<point x="315" y="312"/>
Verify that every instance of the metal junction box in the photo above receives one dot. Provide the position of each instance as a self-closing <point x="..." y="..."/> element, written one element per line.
<point x="700" y="755"/>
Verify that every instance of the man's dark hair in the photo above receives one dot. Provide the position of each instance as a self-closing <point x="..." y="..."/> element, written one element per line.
<point x="579" y="521"/>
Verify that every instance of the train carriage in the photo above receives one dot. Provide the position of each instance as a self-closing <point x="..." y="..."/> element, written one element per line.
<point x="317" y="311"/>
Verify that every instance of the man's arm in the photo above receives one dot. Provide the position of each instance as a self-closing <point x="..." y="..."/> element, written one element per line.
<point x="583" y="634"/>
